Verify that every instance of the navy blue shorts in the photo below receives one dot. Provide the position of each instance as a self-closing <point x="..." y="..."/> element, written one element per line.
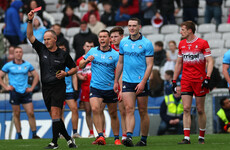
<point x="109" y="96"/>
<point x="130" y="87"/>
<point x="19" y="98"/>
<point x="69" y="96"/>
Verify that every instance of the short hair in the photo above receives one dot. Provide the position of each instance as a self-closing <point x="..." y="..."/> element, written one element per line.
<point x="18" y="47"/>
<point x="61" y="43"/>
<point x="89" y="41"/>
<point x="159" y="43"/>
<point x="104" y="31"/>
<point x="136" y="19"/>
<point x="53" y="32"/>
<point x="222" y="101"/>
<point x="189" y="25"/>
<point x="56" y="24"/>
<point x="169" y="72"/>
<point x="172" y="41"/>
<point x="117" y="29"/>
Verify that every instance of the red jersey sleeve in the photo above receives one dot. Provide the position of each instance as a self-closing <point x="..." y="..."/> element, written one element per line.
<point x="79" y="70"/>
<point x="206" y="49"/>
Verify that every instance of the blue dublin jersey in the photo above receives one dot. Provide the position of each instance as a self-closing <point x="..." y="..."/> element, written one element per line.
<point x="134" y="54"/>
<point x="18" y="74"/>
<point x="226" y="60"/>
<point x="102" y="68"/>
<point x="68" y="82"/>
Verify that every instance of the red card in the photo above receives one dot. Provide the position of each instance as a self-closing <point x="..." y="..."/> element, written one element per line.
<point x="37" y="9"/>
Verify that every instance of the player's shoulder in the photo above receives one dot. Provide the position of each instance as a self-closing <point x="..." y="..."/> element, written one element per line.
<point x="125" y="39"/>
<point x="8" y="64"/>
<point x="145" y="40"/>
<point x="227" y="53"/>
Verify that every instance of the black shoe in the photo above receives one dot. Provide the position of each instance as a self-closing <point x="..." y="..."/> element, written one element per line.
<point x="128" y="142"/>
<point x="20" y="137"/>
<point x="141" y="143"/>
<point x="200" y="141"/>
<point x="52" y="146"/>
<point x="71" y="143"/>
<point x="36" y="137"/>
<point x="184" y="141"/>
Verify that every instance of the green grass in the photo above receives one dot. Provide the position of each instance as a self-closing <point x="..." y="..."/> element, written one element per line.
<point x="167" y="142"/>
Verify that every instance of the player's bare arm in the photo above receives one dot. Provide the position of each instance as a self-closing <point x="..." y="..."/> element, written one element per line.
<point x="210" y="64"/>
<point x="35" y="81"/>
<point x="149" y="63"/>
<point x="84" y="62"/>
<point x="225" y="73"/>
<point x="29" y="32"/>
<point x="178" y="67"/>
<point x="119" y="69"/>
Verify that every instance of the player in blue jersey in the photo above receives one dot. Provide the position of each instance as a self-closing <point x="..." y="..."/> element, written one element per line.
<point x="136" y="62"/>
<point x="20" y="93"/>
<point x="71" y="95"/>
<point x="103" y="63"/>
<point x="226" y="68"/>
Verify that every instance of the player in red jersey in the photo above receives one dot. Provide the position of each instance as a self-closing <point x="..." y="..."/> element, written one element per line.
<point x="116" y="35"/>
<point x="193" y="54"/>
<point x="85" y="76"/>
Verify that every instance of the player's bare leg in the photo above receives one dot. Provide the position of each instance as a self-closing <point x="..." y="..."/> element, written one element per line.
<point x="123" y="118"/>
<point x="89" y="120"/>
<point x="200" y="102"/>
<point x="17" y="123"/>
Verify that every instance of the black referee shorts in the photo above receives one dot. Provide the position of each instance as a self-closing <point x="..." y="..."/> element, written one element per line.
<point x="54" y="95"/>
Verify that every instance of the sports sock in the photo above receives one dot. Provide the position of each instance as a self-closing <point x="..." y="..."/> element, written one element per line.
<point x="144" y="138"/>
<point x="202" y="132"/>
<point x="74" y="131"/>
<point x="63" y="130"/>
<point x="187" y="133"/>
<point x="34" y="132"/>
<point x="19" y="134"/>
<point x="129" y="134"/>
<point x="116" y="137"/>
<point x="124" y="136"/>
<point x="56" y="130"/>
<point x="91" y="131"/>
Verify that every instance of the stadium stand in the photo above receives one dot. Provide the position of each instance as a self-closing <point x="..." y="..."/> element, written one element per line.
<point x="172" y="28"/>
<point x="206" y="28"/>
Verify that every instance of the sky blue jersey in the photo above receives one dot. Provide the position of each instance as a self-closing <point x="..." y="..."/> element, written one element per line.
<point x="68" y="82"/>
<point x="135" y="53"/>
<point x="226" y="60"/>
<point x="102" y="68"/>
<point x="18" y="74"/>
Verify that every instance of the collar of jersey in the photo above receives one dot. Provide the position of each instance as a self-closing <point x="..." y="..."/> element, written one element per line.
<point x="136" y="39"/>
<point x="192" y="40"/>
<point x="98" y="48"/>
<point x="18" y="64"/>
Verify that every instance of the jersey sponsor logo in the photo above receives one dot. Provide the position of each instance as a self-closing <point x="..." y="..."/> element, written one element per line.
<point x="191" y="56"/>
<point x="183" y="47"/>
<point x="103" y="63"/>
<point x="134" y="54"/>
<point x="12" y="68"/>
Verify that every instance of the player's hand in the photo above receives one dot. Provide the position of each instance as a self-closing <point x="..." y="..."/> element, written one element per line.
<point x="10" y="88"/>
<point x="29" y="90"/>
<point x="90" y="58"/>
<point x="140" y="87"/>
<point x="120" y="96"/>
<point x="174" y="85"/>
<point x="115" y="87"/>
<point x="60" y="74"/>
<point x="31" y="15"/>
<point x="206" y="82"/>
<point x="171" y="122"/>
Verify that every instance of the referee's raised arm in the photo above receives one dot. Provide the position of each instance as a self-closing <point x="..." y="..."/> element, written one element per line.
<point x="30" y="35"/>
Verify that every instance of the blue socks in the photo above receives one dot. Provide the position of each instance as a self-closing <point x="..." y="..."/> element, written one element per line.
<point x="116" y="137"/>
<point x="144" y="138"/>
<point x="100" y="134"/>
<point x="129" y="134"/>
<point x="74" y="131"/>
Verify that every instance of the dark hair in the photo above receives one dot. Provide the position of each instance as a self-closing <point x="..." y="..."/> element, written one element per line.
<point x="172" y="41"/>
<point x="67" y="6"/>
<point x="169" y="72"/>
<point x="189" y="25"/>
<point x="61" y="43"/>
<point x="18" y="47"/>
<point x="93" y="5"/>
<point x="222" y="101"/>
<point x="83" y="22"/>
<point x="104" y="31"/>
<point x="117" y="29"/>
<point x="89" y="41"/>
<point x="159" y="43"/>
<point x="136" y="19"/>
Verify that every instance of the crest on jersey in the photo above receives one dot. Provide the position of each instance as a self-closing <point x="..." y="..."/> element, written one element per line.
<point x="25" y="67"/>
<point x="110" y="57"/>
<point x="140" y="46"/>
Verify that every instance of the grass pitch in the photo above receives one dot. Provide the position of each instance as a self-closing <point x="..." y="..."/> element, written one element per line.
<point x="166" y="142"/>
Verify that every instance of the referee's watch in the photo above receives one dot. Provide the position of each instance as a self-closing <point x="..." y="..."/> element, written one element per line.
<point x="67" y="74"/>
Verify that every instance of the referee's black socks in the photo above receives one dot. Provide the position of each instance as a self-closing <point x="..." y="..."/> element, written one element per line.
<point x="56" y="129"/>
<point x="63" y="130"/>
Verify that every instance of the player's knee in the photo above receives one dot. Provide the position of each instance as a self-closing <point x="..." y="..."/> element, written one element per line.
<point x="17" y="114"/>
<point x="200" y="111"/>
<point x="95" y="110"/>
<point x="143" y="112"/>
<point x="31" y="115"/>
<point x="187" y="109"/>
<point x="74" y="109"/>
<point x="129" y="109"/>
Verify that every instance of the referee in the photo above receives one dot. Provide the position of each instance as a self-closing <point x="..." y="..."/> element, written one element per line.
<point x="53" y="61"/>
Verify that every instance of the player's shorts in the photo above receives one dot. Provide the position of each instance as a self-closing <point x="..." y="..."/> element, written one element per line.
<point x="108" y="96"/>
<point x="20" y="98"/>
<point x="54" y="95"/>
<point x="69" y="96"/>
<point x="85" y="94"/>
<point x="190" y="88"/>
<point x="130" y="87"/>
